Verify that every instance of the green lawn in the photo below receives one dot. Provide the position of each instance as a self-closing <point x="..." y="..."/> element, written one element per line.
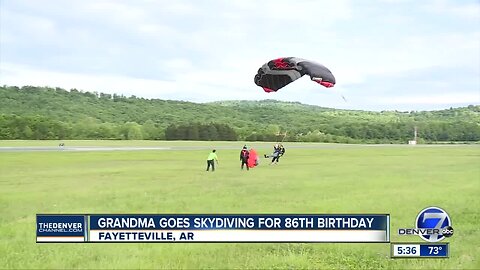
<point x="399" y="180"/>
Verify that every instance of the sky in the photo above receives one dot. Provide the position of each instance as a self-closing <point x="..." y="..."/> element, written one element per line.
<point x="385" y="54"/>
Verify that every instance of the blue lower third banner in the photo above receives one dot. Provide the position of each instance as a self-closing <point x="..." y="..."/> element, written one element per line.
<point x="295" y="228"/>
<point x="61" y="228"/>
<point x="239" y="228"/>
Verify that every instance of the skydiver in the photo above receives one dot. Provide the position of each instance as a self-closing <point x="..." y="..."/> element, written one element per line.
<point x="281" y="152"/>
<point x="274" y="155"/>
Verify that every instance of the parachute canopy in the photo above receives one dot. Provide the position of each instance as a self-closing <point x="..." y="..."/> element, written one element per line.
<point x="253" y="158"/>
<point x="279" y="72"/>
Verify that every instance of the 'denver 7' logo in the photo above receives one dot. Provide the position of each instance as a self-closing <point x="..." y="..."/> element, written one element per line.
<point x="437" y="220"/>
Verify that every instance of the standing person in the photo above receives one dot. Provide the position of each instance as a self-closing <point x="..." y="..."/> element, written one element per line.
<point x="244" y="156"/>
<point x="212" y="157"/>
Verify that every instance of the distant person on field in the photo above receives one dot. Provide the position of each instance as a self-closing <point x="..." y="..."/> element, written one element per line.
<point x="244" y="156"/>
<point x="212" y="157"/>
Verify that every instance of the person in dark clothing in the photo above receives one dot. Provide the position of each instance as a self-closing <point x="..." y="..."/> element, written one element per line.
<point x="278" y="151"/>
<point x="244" y="156"/>
<point x="274" y="155"/>
<point x="281" y="152"/>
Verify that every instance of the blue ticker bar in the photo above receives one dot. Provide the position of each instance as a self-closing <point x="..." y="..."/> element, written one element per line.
<point x="434" y="250"/>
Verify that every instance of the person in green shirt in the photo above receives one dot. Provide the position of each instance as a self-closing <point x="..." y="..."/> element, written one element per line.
<point x="212" y="157"/>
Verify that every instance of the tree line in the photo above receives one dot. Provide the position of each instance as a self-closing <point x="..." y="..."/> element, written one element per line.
<point x="201" y="132"/>
<point x="41" y="113"/>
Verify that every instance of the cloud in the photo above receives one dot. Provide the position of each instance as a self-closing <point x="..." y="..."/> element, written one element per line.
<point x="36" y="28"/>
<point x="469" y="10"/>
<point x="20" y="75"/>
<point x="210" y="50"/>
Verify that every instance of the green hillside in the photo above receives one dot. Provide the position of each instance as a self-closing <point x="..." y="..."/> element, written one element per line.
<point x="54" y="113"/>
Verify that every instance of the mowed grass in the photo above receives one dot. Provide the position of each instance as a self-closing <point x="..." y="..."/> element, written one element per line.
<point x="398" y="180"/>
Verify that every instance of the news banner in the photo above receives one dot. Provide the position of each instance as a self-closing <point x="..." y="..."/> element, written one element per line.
<point x="235" y="228"/>
<point x="213" y="228"/>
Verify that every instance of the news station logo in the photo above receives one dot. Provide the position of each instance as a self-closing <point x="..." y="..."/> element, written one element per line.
<point x="433" y="224"/>
<point x="61" y="228"/>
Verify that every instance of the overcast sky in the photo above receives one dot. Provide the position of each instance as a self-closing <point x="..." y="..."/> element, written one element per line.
<point x="385" y="54"/>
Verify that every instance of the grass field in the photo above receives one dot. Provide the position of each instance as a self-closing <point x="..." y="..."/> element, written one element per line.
<point x="400" y="180"/>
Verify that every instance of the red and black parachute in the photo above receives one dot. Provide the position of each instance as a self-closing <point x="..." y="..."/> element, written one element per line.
<point x="279" y="72"/>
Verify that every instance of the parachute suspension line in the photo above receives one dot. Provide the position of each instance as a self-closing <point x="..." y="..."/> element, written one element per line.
<point x="284" y="135"/>
<point x="343" y="97"/>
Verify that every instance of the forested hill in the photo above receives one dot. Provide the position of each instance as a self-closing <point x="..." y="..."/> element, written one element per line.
<point x="55" y="113"/>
